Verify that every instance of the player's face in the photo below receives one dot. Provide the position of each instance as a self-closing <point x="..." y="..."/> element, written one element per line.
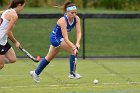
<point x="21" y="6"/>
<point x="72" y="13"/>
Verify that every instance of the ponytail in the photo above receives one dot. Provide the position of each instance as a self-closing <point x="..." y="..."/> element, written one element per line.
<point x="14" y="3"/>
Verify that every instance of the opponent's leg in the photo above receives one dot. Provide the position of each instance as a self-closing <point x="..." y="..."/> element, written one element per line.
<point x="44" y="62"/>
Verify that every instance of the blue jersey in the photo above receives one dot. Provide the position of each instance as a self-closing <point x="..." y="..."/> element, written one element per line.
<point x="56" y="36"/>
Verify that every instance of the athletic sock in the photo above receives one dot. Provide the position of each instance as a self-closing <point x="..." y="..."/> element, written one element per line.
<point x="72" y="61"/>
<point x="41" y="66"/>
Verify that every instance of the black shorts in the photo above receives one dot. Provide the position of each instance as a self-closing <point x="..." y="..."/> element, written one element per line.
<point x="5" y="48"/>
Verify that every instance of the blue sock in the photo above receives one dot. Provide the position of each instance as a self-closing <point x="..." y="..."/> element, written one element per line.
<point x="72" y="60"/>
<point x="41" y="66"/>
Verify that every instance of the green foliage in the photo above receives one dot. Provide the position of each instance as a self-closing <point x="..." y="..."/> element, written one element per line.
<point x="108" y="4"/>
<point x="3" y="2"/>
<point x="119" y="4"/>
<point x="78" y="2"/>
<point x="133" y="4"/>
<point x="35" y="3"/>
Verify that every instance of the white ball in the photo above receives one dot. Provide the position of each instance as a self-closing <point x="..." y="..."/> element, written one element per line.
<point x="95" y="81"/>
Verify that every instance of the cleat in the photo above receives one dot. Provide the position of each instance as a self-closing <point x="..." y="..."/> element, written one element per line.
<point x="35" y="76"/>
<point x="71" y="76"/>
<point x="76" y="76"/>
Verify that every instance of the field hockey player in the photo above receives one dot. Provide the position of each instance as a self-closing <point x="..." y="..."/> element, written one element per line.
<point x="59" y="39"/>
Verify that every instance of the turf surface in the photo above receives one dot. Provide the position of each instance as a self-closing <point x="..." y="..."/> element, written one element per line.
<point x="114" y="75"/>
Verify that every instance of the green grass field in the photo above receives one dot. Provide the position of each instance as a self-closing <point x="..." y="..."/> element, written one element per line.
<point x="103" y="37"/>
<point x="114" y="75"/>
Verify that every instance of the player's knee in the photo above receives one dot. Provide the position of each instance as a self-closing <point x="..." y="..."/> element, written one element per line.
<point x="12" y="60"/>
<point x="1" y="66"/>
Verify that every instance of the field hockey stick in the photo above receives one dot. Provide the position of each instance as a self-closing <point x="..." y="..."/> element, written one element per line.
<point x="37" y="59"/>
<point x="74" y="68"/>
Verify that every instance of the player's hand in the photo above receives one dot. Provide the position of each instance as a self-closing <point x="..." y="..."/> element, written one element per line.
<point x="75" y="51"/>
<point x="17" y="44"/>
<point x="78" y="46"/>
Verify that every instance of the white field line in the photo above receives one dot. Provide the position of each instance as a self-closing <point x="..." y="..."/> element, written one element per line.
<point x="120" y="83"/>
<point x="37" y="85"/>
<point x="67" y="85"/>
<point x="13" y="75"/>
<point x="6" y="75"/>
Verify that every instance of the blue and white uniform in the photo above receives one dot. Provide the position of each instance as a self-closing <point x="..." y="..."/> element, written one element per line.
<point x="56" y="36"/>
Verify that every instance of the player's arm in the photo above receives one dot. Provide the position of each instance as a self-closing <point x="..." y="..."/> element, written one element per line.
<point x="62" y="24"/>
<point x="78" y="32"/>
<point x="12" y="20"/>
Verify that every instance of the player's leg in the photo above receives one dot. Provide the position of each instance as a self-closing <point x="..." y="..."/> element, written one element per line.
<point x="10" y="56"/>
<point x="1" y="61"/>
<point x="6" y="53"/>
<point x="44" y="62"/>
<point x="52" y="53"/>
<point x="72" y="59"/>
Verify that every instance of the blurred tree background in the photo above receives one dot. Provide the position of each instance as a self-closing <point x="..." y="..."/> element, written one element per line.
<point x="107" y="4"/>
